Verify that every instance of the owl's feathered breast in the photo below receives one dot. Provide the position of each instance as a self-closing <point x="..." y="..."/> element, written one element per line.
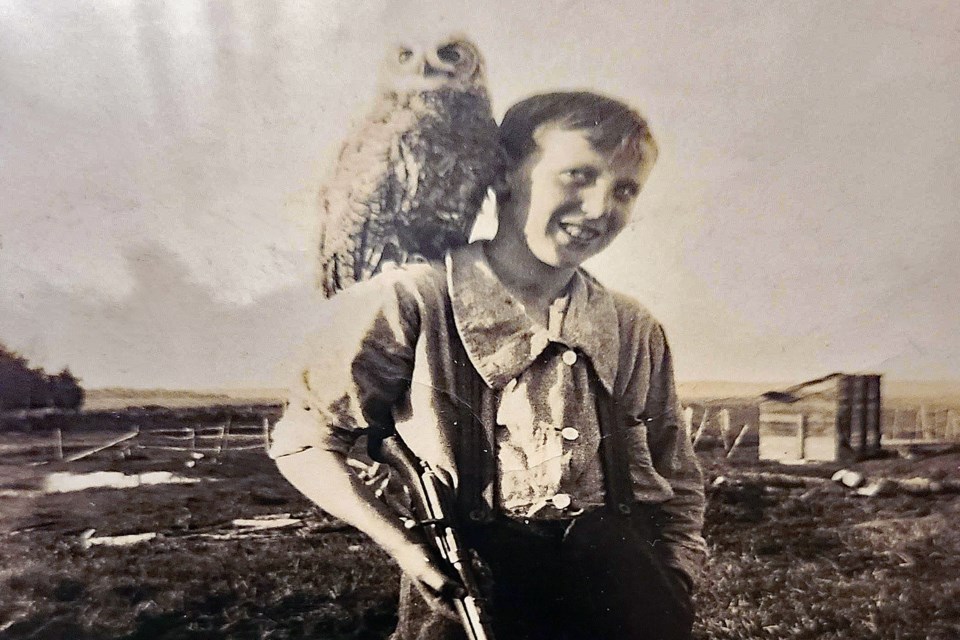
<point x="413" y="177"/>
<point x="454" y="149"/>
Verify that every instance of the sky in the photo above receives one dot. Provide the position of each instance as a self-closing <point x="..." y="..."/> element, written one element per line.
<point x="159" y="163"/>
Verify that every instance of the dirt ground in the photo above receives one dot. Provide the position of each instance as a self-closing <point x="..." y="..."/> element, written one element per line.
<point x="810" y="562"/>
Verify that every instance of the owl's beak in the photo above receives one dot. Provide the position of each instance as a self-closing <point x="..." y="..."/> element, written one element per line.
<point x="433" y="71"/>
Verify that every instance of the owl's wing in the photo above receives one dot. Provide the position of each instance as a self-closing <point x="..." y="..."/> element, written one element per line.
<point x="375" y="176"/>
<point x="456" y="152"/>
<point x="408" y="163"/>
<point x="340" y="220"/>
<point x="381" y="243"/>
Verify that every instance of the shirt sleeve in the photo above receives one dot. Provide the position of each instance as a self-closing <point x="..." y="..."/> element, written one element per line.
<point x="353" y="369"/>
<point x="673" y="458"/>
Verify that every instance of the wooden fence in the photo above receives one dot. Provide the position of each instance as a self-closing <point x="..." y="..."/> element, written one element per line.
<point x="900" y="426"/>
<point x="215" y="440"/>
<point x="923" y="425"/>
<point x="718" y="421"/>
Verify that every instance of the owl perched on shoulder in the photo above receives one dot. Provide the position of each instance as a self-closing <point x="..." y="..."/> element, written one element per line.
<point x="410" y="178"/>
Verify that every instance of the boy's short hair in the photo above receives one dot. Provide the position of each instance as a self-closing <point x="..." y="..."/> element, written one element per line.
<point x="610" y="125"/>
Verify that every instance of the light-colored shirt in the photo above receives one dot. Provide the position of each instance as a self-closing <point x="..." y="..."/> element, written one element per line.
<point x="385" y="356"/>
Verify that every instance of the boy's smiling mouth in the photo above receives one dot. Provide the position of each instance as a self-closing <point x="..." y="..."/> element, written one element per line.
<point x="579" y="232"/>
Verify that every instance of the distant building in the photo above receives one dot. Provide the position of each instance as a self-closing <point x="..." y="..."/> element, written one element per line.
<point x="835" y="417"/>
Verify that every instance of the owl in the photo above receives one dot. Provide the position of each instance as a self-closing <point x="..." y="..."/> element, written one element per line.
<point x="411" y="177"/>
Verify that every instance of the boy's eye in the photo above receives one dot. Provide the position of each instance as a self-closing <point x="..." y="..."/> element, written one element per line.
<point x="626" y="192"/>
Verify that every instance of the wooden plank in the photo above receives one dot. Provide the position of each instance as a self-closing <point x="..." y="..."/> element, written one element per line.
<point x="858" y="409"/>
<point x="820" y="448"/>
<point x="247" y="436"/>
<point x="774" y="447"/>
<point x="776" y="479"/>
<point x="784" y="418"/>
<point x="114" y="442"/>
<point x="903" y="442"/>
<point x="874" y="418"/>
<point x="738" y="440"/>
<point x="248" y="447"/>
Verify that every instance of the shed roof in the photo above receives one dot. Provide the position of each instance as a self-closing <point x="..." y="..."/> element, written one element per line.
<point x="805" y="390"/>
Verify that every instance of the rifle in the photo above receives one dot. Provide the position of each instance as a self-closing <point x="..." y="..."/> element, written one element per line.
<point x="433" y="508"/>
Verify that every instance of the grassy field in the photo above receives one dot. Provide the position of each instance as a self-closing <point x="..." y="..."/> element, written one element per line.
<point x="111" y="398"/>
<point x="786" y="563"/>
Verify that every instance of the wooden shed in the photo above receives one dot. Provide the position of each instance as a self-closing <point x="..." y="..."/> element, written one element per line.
<point x="835" y="417"/>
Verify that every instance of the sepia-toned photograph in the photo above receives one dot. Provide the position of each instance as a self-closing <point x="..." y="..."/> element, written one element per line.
<point x="479" y="320"/>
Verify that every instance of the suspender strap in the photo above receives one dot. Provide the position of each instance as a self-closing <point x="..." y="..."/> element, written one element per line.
<point x="613" y="449"/>
<point x="475" y="458"/>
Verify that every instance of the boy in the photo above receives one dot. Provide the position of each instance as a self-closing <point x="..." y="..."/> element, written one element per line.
<point x="545" y="343"/>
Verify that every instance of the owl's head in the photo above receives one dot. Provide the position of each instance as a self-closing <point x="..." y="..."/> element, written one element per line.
<point x="453" y="62"/>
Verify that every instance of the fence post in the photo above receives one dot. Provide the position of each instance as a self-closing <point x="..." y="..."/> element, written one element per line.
<point x="924" y="423"/>
<point x="219" y="437"/>
<point x="740" y="437"/>
<point x="953" y="424"/>
<point x="705" y="418"/>
<point x="802" y="435"/>
<point x="225" y="435"/>
<point x="58" y="443"/>
<point x="193" y="439"/>
<point x="725" y="431"/>
<point x="703" y="424"/>
<point x="266" y="434"/>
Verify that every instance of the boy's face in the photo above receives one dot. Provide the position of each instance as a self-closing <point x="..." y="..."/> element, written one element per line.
<point x="569" y="201"/>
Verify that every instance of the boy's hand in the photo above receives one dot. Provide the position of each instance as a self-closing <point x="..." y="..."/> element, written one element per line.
<point x="436" y="587"/>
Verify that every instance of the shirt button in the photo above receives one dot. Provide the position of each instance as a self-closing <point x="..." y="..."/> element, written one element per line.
<point x="569" y="433"/>
<point x="561" y="500"/>
<point x="570" y="357"/>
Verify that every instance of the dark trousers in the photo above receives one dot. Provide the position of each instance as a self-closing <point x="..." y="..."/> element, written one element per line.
<point x="602" y="578"/>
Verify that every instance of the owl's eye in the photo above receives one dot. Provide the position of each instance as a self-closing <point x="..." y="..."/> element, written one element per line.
<point x="580" y="176"/>
<point x="404" y="54"/>
<point x="449" y="53"/>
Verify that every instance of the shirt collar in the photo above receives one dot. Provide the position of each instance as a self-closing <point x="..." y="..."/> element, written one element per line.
<point x="501" y="340"/>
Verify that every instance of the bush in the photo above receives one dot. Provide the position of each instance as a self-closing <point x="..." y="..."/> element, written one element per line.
<point x="25" y="387"/>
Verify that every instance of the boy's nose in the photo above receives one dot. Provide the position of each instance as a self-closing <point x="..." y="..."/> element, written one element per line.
<point x="595" y="203"/>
